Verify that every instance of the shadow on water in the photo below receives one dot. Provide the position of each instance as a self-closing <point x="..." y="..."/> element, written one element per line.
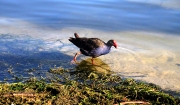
<point x="32" y="65"/>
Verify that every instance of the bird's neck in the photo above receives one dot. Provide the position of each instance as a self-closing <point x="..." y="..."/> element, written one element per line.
<point x="109" y="45"/>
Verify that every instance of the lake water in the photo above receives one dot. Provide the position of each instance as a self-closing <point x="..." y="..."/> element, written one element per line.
<point x="34" y="35"/>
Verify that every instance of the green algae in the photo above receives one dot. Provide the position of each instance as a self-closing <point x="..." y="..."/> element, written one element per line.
<point x="84" y="86"/>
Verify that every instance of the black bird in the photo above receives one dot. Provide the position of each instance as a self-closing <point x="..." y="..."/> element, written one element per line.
<point x="93" y="47"/>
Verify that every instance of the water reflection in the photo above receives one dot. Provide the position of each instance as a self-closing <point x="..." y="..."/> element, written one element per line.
<point x="99" y="67"/>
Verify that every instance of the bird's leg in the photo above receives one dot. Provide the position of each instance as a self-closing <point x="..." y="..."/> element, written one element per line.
<point x="92" y="61"/>
<point x="78" y="53"/>
<point x="74" y="59"/>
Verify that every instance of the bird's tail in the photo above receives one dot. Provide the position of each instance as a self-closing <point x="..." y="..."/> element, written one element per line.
<point x="76" y="35"/>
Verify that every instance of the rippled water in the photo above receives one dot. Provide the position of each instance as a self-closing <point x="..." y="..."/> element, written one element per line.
<point x="34" y="35"/>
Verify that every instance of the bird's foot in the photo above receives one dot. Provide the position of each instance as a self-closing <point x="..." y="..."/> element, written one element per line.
<point x="74" y="62"/>
<point x="94" y="64"/>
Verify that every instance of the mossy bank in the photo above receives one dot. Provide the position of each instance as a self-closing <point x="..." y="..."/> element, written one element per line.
<point x="77" y="86"/>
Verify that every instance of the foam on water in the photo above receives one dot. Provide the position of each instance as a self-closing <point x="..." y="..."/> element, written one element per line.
<point x="146" y="56"/>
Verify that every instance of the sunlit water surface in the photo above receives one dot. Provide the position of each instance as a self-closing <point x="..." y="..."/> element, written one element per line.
<point x="34" y="36"/>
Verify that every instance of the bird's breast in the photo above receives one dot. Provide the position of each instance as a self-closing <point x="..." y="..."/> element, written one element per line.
<point x="100" y="51"/>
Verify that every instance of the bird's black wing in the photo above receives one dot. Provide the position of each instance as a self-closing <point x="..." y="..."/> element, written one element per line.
<point x="94" y="43"/>
<point x="87" y="44"/>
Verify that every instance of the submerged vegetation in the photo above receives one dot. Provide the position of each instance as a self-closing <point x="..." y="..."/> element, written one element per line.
<point x="84" y="87"/>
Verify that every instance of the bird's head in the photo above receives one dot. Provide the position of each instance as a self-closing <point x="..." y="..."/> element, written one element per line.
<point x="112" y="43"/>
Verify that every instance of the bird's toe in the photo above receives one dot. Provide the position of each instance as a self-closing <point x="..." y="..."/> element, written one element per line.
<point x="73" y="62"/>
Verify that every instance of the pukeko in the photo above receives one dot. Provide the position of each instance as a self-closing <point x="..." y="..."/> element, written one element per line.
<point x="93" y="47"/>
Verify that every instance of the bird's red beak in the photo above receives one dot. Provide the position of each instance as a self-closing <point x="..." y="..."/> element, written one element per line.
<point x="115" y="44"/>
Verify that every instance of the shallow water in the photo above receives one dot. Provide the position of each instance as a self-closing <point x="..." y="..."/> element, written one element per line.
<point x="34" y="34"/>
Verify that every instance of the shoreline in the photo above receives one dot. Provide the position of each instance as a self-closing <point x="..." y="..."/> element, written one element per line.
<point x="83" y="86"/>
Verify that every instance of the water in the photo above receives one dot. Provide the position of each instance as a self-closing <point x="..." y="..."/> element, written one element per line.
<point x="34" y="34"/>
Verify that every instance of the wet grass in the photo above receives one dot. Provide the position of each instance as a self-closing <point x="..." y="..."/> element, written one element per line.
<point x="83" y="87"/>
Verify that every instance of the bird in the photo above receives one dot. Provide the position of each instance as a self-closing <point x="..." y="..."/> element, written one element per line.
<point x="93" y="47"/>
